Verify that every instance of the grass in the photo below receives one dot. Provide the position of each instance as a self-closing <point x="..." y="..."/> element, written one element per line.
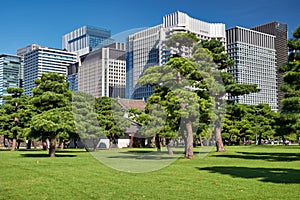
<point x="243" y="172"/>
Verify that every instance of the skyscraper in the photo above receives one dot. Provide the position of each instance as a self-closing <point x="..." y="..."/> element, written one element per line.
<point x="280" y="31"/>
<point x="86" y="39"/>
<point x="255" y="63"/>
<point x="143" y="51"/>
<point x="11" y="75"/>
<point x="43" y="60"/>
<point x="103" y="72"/>
<point x="21" y="52"/>
<point x="147" y="47"/>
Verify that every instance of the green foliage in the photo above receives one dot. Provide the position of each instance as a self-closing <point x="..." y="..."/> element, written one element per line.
<point x="53" y="112"/>
<point x="110" y="116"/>
<point x="15" y="114"/>
<point x="289" y="120"/>
<point x="54" y="121"/>
<point x="180" y="44"/>
<point x="85" y="117"/>
<point x="185" y="89"/>
<point x="218" y="53"/>
<point x="249" y="121"/>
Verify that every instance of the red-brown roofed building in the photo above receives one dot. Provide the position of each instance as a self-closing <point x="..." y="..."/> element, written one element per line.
<point x="131" y="103"/>
<point x="135" y="140"/>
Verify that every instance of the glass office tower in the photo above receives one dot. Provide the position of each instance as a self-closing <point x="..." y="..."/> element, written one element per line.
<point x="280" y="31"/>
<point x="11" y="73"/>
<point x="86" y="39"/>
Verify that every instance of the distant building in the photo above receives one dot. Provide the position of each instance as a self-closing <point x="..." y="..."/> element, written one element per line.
<point x="147" y="47"/>
<point x="72" y="76"/>
<point x="280" y="31"/>
<point x="103" y="72"/>
<point x="42" y="60"/>
<point x="21" y="52"/>
<point x="135" y="139"/>
<point x="143" y="51"/>
<point x="86" y="39"/>
<point x="255" y="63"/>
<point x="11" y="73"/>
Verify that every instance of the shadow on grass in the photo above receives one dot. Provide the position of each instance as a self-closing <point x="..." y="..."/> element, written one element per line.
<point x="43" y="155"/>
<point x="30" y="150"/>
<point x="4" y="149"/>
<point x="146" y="154"/>
<point x="154" y="152"/>
<point x="142" y="157"/>
<point x="275" y="157"/>
<point x="274" y="175"/>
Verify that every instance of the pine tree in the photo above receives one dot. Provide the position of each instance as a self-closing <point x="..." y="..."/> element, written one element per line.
<point x="52" y="105"/>
<point x="86" y="122"/>
<point x="111" y="118"/>
<point x="15" y="116"/>
<point x="289" y="120"/>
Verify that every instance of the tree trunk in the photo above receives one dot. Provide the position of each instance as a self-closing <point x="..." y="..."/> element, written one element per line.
<point x="34" y="143"/>
<point x="85" y="145"/>
<point x="131" y="140"/>
<point x="189" y="152"/>
<point x="110" y="143"/>
<point x="157" y="143"/>
<point x="14" y="143"/>
<point x="219" y="142"/>
<point x="16" y="120"/>
<point x="94" y="144"/>
<point x="200" y="139"/>
<point x="9" y="142"/>
<point x="62" y="144"/>
<point x="52" y="146"/>
<point x="170" y="151"/>
<point x="19" y="143"/>
<point x="3" y="139"/>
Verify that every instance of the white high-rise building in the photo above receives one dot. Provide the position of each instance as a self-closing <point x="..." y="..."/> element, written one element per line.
<point x="255" y="63"/>
<point x="42" y="60"/>
<point x="147" y="47"/>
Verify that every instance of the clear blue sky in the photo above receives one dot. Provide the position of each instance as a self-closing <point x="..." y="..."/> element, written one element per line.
<point x="44" y="22"/>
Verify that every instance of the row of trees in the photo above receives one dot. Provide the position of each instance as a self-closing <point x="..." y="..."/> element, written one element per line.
<point x="189" y="94"/>
<point x="289" y="119"/>
<point x="190" y="88"/>
<point x="54" y="114"/>
<point x="189" y="101"/>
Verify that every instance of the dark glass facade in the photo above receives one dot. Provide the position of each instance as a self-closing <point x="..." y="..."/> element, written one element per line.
<point x="280" y="31"/>
<point x="10" y="73"/>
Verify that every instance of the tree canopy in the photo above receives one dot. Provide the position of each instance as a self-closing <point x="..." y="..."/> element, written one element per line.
<point x="111" y="119"/>
<point x="52" y="104"/>
<point x="15" y="116"/>
<point x="289" y="120"/>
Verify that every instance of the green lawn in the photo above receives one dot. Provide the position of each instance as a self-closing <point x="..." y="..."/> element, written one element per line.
<point x="245" y="172"/>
